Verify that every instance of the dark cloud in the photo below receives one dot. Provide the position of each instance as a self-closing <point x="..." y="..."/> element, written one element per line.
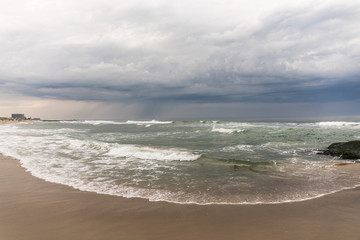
<point x="171" y="53"/>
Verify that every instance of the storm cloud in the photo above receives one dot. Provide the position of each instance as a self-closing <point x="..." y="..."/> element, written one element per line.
<point x="193" y="52"/>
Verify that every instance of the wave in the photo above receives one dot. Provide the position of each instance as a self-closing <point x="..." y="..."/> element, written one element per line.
<point x="147" y="123"/>
<point x="127" y="151"/>
<point x="93" y="122"/>
<point x="242" y="125"/>
<point x="132" y="164"/>
<point x="85" y="149"/>
<point x="104" y="186"/>
<point x="99" y="122"/>
<point x="226" y="130"/>
<point x="151" y="153"/>
<point x="241" y="147"/>
<point x="338" y="124"/>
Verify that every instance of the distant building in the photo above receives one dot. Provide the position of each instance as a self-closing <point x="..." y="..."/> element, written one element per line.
<point x="18" y="116"/>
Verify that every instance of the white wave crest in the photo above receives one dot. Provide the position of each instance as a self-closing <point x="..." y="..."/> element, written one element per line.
<point x="226" y="130"/>
<point x="98" y="122"/>
<point x="101" y="122"/>
<point x="93" y="122"/>
<point x="148" y="123"/>
<point x="82" y="148"/>
<point x="151" y="153"/>
<point x="241" y="147"/>
<point x="338" y="124"/>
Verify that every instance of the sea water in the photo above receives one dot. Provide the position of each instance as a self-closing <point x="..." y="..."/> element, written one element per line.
<point x="200" y="162"/>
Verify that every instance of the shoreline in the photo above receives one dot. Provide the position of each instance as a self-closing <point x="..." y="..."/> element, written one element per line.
<point x="6" y="121"/>
<point x="31" y="208"/>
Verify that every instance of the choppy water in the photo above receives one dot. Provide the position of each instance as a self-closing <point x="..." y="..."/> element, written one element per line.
<point x="185" y="162"/>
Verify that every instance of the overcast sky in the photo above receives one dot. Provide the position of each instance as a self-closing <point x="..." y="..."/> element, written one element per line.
<point x="179" y="59"/>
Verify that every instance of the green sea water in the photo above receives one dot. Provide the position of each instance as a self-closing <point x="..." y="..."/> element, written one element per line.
<point x="200" y="162"/>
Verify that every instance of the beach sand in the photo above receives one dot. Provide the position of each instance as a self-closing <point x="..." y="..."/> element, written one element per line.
<point x="5" y="121"/>
<point x="33" y="209"/>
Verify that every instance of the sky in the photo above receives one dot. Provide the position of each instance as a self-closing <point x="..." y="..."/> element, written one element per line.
<point x="162" y="59"/>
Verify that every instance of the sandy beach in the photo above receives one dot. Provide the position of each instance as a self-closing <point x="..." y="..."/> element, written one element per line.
<point x="31" y="208"/>
<point x="5" y="121"/>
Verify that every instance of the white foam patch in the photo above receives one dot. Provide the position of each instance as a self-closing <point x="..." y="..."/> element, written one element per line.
<point x="226" y="130"/>
<point x="241" y="147"/>
<point x="93" y="122"/>
<point x="281" y="148"/>
<point x="151" y="153"/>
<point x="148" y="123"/>
<point x="232" y="127"/>
<point x="338" y="124"/>
<point x="103" y="122"/>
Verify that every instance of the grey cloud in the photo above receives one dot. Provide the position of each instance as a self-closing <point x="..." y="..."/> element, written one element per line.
<point x="292" y="45"/>
<point x="153" y="53"/>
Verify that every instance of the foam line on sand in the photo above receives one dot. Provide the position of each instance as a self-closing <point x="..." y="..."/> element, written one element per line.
<point x="33" y="209"/>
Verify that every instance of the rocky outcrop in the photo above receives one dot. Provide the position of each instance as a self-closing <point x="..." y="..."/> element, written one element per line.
<point x="345" y="150"/>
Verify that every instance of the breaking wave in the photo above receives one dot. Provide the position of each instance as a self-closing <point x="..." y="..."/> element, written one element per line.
<point x="338" y="124"/>
<point x="186" y="162"/>
<point x="148" y="122"/>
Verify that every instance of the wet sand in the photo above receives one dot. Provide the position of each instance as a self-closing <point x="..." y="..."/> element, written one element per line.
<point x="33" y="209"/>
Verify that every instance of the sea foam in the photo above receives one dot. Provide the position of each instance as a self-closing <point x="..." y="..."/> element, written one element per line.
<point x="186" y="162"/>
<point x="338" y="124"/>
<point x="151" y="153"/>
<point x="148" y="122"/>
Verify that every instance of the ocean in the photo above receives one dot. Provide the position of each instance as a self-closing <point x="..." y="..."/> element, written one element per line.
<point x="186" y="162"/>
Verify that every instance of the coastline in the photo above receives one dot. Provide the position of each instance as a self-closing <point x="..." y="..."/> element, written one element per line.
<point x="5" y="121"/>
<point x="31" y="208"/>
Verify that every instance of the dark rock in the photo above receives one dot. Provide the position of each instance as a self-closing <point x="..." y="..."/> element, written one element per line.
<point x="344" y="150"/>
